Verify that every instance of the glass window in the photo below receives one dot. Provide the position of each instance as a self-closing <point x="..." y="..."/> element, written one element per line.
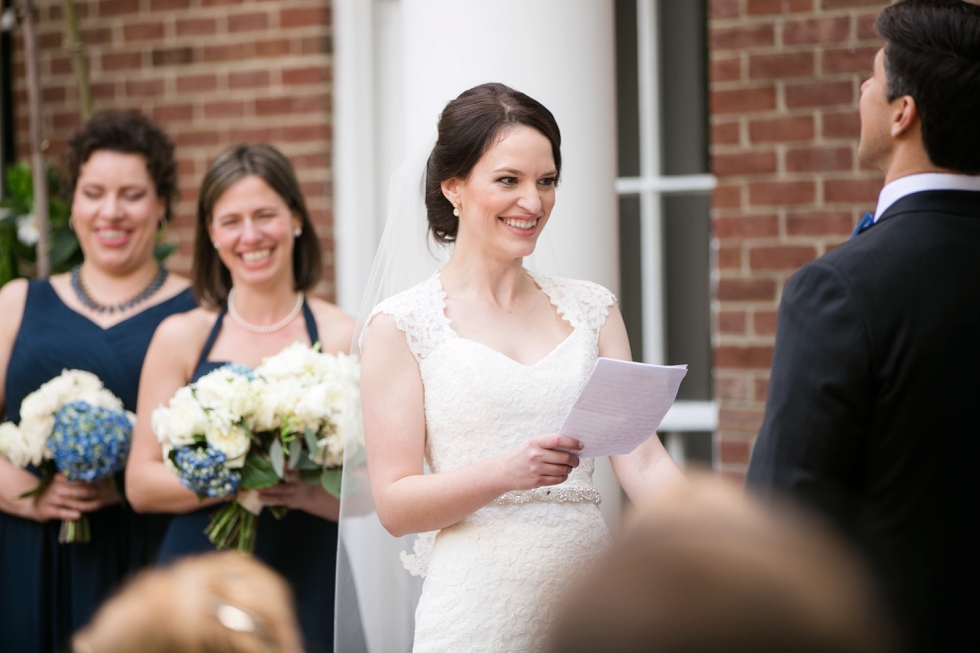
<point x="664" y="186"/>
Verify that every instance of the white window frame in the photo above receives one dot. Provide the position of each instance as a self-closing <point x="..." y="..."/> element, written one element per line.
<point x="650" y="187"/>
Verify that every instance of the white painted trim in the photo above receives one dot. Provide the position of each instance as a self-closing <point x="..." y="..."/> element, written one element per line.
<point x="651" y="223"/>
<point x="690" y="416"/>
<point x="355" y="238"/>
<point x="666" y="185"/>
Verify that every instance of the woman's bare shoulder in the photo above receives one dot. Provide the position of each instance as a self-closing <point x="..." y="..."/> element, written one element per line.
<point x="13" y="298"/>
<point x="184" y="330"/>
<point x="13" y="295"/>
<point x="335" y="326"/>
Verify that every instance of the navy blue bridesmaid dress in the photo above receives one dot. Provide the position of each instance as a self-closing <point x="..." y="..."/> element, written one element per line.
<point x="300" y="546"/>
<point x="48" y="590"/>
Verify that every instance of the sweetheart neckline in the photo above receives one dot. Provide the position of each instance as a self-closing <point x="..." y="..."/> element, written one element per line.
<point x="441" y="294"/>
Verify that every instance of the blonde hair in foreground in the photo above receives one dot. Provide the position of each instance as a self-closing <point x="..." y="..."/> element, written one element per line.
<point x="214" y="603"/>
<point x="704" y="569"/>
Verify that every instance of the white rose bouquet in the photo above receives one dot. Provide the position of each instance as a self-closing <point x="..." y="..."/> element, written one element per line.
<point x="73" y="425"/>
<point x="236" y="430"/>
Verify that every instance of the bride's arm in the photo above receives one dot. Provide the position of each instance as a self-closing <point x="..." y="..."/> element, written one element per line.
<point x="407" y="499"/>
<point x="649" y="468"/>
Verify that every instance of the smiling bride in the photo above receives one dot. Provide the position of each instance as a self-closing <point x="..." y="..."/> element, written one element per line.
<point x="473" y="371"/>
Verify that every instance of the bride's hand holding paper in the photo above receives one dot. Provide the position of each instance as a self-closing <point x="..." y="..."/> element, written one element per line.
<point x="541" y="461"/>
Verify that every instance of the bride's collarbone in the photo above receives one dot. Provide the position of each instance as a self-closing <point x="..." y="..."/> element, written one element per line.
<point x="526" y="336"/>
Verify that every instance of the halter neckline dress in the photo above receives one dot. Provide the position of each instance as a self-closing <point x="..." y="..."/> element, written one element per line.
<point x="302" y="547"/>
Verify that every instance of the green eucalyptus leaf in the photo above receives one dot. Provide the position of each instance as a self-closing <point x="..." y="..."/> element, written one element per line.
<point x="310" y="438"/>
<point x="258" y="473"/>
<point x="330" y="480"/>
<point x="307" y="463"/>
<point x="276" y="457"/>
<point x="295" y="452"/>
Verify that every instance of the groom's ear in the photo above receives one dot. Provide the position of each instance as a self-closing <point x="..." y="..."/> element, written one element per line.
<point x="450" y="190"/>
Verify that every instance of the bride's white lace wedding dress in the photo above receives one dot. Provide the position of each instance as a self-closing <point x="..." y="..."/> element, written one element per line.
<point x="494" y="580"/>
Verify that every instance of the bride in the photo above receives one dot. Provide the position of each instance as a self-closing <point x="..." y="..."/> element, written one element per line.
<point x="473" y="371"/>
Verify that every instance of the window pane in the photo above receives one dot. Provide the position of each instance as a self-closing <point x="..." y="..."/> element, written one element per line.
<point x="627" y="91"/>
<point x="631" y="291"/>
<point x="684" y="84"/>
<point x="687" y="238"/>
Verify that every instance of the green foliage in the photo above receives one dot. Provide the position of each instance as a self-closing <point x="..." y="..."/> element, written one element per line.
<point x="19" y="258"/>
<point x="258" y="472"/>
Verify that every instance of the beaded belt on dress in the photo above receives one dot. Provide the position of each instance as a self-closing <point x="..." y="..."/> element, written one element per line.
<point x="551" y="494"/>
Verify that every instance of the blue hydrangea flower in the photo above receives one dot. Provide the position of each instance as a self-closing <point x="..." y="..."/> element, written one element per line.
<point x="89" y="443"/>
<point x="239" y="369"/>
<point x="202" y="471"/>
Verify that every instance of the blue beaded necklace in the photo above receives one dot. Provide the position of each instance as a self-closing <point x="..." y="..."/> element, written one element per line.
<point x="88" y="302"/>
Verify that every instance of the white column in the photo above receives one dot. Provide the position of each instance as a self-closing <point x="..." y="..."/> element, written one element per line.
<point x="561" y="53"/>
<point x="355" y="235"/>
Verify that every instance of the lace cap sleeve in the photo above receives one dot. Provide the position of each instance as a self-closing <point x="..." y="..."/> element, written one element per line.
<point x="583" y="303"/>
<point x="417" y="314"/>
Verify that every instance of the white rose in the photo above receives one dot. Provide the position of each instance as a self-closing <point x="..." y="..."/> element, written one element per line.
<point x="233" y="442"/>
<point x="21" y="449"/>
<point x="290" y="362"/>
<point x="225" y="391"/>
<point x="314" y="407"/>
<point x="178" y="425"/>
<point x="330" y="450"/>
<point x="101" y="398"/>
<point x="39" y="404"/>
<point x="82" y="381"/>
<point x="236" y="463"/>
<point x="268" y="408"/>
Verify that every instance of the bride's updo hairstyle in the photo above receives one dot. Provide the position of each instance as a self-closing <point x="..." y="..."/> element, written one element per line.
<point x="468" y="127"/>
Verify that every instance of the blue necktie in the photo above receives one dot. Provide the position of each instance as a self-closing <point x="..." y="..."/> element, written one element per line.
<point x="866" y="223"/>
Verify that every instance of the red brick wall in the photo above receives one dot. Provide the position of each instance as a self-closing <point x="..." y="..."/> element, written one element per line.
<point x="213" y="73"/>
<point x="785" y="79"/>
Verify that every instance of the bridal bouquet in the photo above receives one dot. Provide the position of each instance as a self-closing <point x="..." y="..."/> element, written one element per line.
<point x="73" y="425"/>
<point x="237" y="430"/>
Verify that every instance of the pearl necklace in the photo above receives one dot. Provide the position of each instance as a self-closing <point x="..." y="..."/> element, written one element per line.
<point x="263" y="329"/>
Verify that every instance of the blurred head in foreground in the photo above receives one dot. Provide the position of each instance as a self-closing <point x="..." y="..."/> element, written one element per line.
<point x="214" y="603"/>
<point x="706" y="569"/>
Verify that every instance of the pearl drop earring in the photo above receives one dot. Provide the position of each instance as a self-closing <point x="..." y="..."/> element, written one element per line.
<point x="217" y="245"/>
<point x="455" y="210"/>
<point x="297" y="232"/>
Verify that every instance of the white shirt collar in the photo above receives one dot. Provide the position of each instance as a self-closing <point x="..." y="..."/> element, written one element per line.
<point x="903" y="186"/>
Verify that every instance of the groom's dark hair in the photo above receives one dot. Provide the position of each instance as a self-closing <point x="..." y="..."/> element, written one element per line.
<point x="933" y="54"/>
<point x="468" y="127"/>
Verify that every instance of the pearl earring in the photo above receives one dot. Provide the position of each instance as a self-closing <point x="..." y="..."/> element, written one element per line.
<point x="455" y="210"/>
<point x="297" y="232"/>
<point x="216" y="245"/>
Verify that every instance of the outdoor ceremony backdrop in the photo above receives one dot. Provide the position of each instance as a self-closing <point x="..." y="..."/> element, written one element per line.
<point x="734" y="124"/>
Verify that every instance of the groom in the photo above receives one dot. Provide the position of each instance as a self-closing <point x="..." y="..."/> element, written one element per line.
<point x="872" y="416"/>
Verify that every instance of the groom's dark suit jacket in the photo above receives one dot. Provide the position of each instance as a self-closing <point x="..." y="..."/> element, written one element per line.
<point x="873" y="414"/>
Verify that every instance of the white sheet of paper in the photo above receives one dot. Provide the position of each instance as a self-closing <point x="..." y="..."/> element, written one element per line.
<point x="621" y="406"/>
